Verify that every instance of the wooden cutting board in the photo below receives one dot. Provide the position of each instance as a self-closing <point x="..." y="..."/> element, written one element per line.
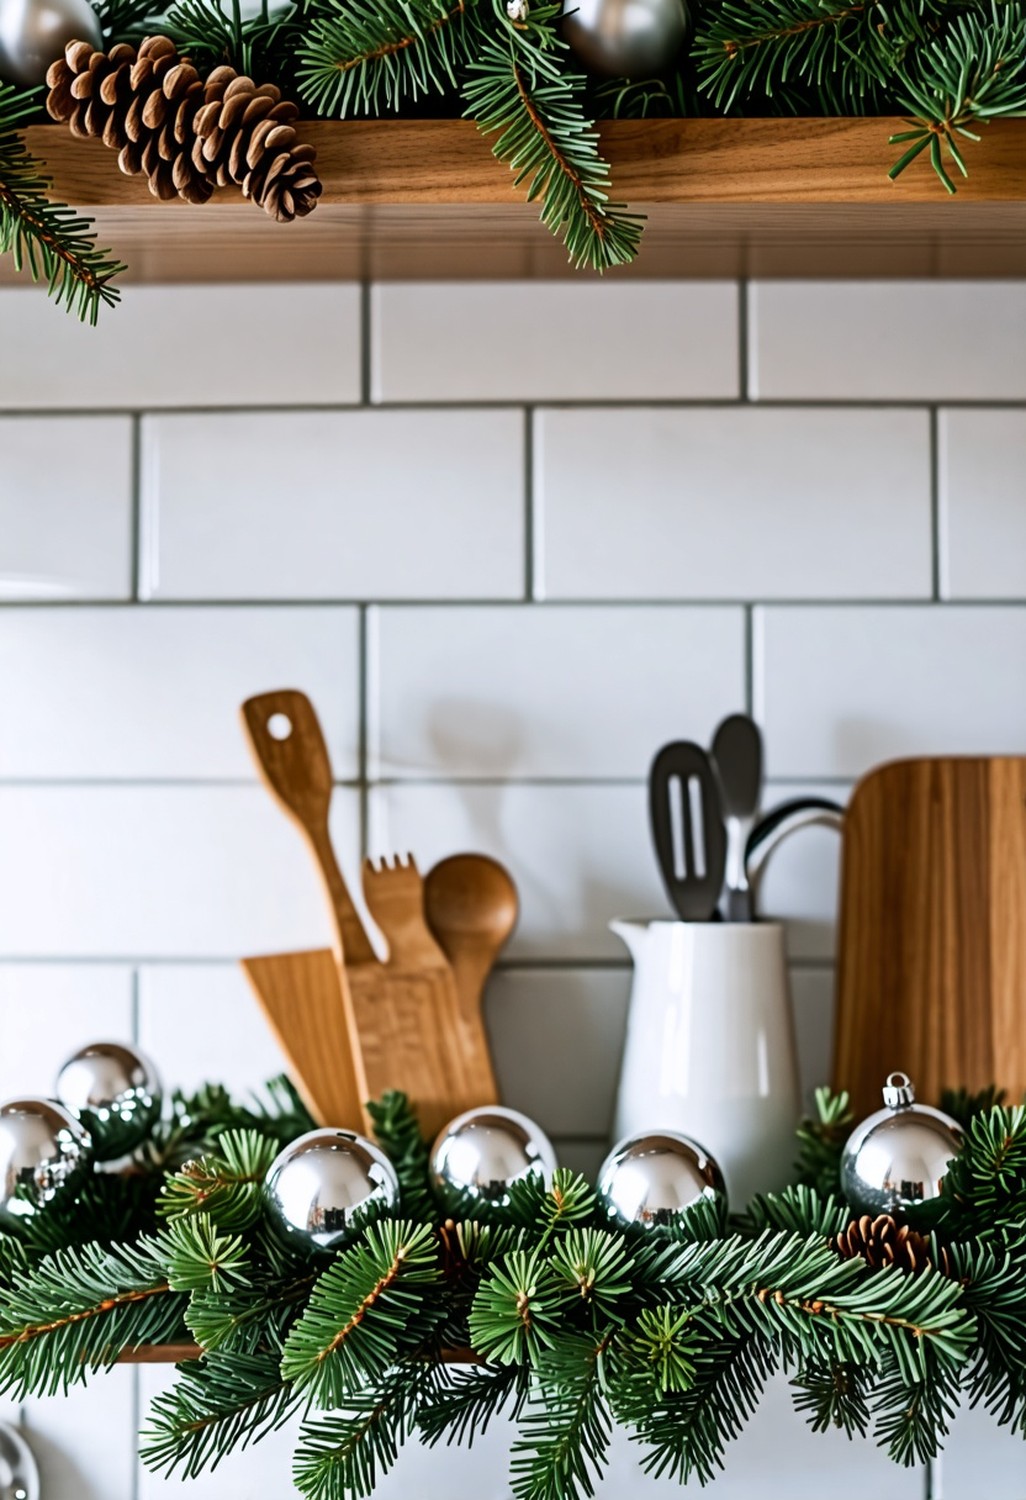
<point x="932" y="956"/>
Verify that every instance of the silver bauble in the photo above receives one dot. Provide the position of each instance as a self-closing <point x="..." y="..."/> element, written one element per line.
<point x="480" y="1155"/>
<point x="19" y="1476"/>
<point x="34" y="33"/>
<point x="114" y="1090"/>
<point x="43" y="1150"/>
<point x="653" y="1178"/>
<point x="324" y="1187"/>
<point x="899" y="1156"/>
<point x="625" y="38"/>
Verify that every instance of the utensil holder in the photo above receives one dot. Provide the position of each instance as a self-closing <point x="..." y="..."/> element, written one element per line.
<point x="710" y="1046"/>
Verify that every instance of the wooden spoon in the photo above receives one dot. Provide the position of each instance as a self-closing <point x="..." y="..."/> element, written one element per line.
<point x="471" y="906"/>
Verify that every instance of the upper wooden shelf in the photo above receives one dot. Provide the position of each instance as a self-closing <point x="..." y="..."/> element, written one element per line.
<point x="425" y="199"/>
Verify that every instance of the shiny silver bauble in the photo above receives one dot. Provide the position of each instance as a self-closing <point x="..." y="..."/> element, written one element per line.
<point x="114" y="1090"/>
<point x="625" y="38"/>
<point x="19" y="1476"/>
<point x="34" y="33"/>
<point x="899" y="1156"/>
<point x="652" y="1179"/>
<point x="43" y="1151"/>
<point x="323" y="1188"/>
<point x="480" y="1155"/>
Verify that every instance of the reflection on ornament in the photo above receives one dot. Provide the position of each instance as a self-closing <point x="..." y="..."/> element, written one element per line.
<point x="34" y="33"/>
<point x="43" y="1151"/>
<point x="652" y="1179"/>
<point x="625" y="38"/>
<point x="323" y="1188"/>
<point x="483" y="1152"/>
<point x="114" y="1090"/>
<point x="899" y="1156"/>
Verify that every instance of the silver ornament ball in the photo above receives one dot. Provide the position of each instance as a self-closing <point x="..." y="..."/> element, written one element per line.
<point x="478" y="1157"/>
<point x="43" y="1151"/>
<point x="324" y="1187"/>
<point x="652" y="1179"/>
<point x="19" y="1475"/>
<point x="625" y="38"/>
<point x="34" y="33"/>
<point x="115" y="1091"/>
<point x="899" y="1156"/>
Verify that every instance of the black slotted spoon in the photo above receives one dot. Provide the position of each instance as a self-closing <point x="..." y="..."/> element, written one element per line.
<point x="687" y="828"/>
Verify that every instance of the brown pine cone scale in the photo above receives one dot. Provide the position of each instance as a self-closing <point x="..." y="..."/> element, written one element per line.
<point x="187" y="134"/>
<point x="884" y="1242"/>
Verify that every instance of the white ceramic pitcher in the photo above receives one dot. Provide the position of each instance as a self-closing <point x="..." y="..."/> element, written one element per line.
<point x="710" y="1046"/>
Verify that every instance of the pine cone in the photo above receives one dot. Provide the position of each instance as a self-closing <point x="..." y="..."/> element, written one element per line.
<point x="883" y="1242"/>
<point x="188" y="135"/>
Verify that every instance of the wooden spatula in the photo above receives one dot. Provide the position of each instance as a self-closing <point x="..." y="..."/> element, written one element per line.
<point x="412" y="1031"/>
<point x="471" y="907"/>
<point x="292" y="758"/>
<point x="932" y="958"/>
<point x="301" y="998"/>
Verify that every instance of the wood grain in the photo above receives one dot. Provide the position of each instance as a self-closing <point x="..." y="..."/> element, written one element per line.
<point x="932" y="960"/>
<point x="426" y="198"/>
<point x="301" y="997"/>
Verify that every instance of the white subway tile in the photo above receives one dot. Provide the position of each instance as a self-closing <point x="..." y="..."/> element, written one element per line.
<point x="978" y="1448"/>
<point x="802" y="875"/>
<point x="536" y="341"/>
<point x="178" y="1002"/>
<point x="149" y="692"/>
<point x="358" y="505"/>
<point x="49" y="1010"/>
<point x="84" y="1443"/>
<point x="839" y="690"/>
<point x="65" y="503"/>
<point x="556" y="1036"/>
<point x="576" y="692"/>
<point x="165" y="871"/>
<point x="982" y="479"/>
<point x="812" y="994"/>
<point x="200" y="346"/>
<point x="732" y="502"/>
<point x="580" y="855"/>
<point x="888" y="340"/>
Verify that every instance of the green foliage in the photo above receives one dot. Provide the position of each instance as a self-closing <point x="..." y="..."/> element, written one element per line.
<point x="48" y="239"/>
<point x="520" y="88"/>
<point x="670" y="1335"/>
<point x="821" y="1142"/>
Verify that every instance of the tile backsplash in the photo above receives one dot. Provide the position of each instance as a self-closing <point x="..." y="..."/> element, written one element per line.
<point x="510" y="539"/>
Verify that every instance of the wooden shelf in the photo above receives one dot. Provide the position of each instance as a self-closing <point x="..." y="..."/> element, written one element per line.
<point x="426" y="199"/>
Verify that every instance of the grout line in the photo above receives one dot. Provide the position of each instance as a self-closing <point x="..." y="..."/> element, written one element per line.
<point x="135" y="543"/>
<point x="134" y="1008"/>
<point x="749" y="651"/>
<point x="365" y="344"/>
<point x="599" y="403"/>
<point x="452" y="783"/>
<point x="935" y="519"/>
<point x="137" y="962"/>
<point x="531" y="529"/>
<point x="362" y="731"/>
<point x="743" y="334"/>
<point x="136" y="1418"/>
<point x="681" y="602"/>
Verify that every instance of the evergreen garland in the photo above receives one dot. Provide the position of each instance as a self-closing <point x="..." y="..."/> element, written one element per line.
<point x="577" y="1327"/>
<point x="950" y="66"/>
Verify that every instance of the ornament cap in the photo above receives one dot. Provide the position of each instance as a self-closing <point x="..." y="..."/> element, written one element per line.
<point x="898" y="1091"/>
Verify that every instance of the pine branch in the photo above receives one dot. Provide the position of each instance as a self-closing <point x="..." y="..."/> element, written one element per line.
<point x="975" y="73"/>
<point x="217" y="1404"/>
<point x="226" y="1185"/>
<point x="821" y="1142"/>
<point x="78" y="1310"/>
<point x="48" y="238"/>
<point x="834" y="1394"/>
<point x="517" y="1310"/>
<point x="342" y="1457"/>
<point x="914" y="1416"/>
<point x="399" y="1135"/>
<point x="467" y="1400"/>
<point x="375" y="55"/>
<point x="519" y="87"/>
<point x="565" y="1431"/>
<point x="370" y="1304"/>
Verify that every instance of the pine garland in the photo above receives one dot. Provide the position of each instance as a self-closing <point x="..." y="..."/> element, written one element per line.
<point x="951" y="66"/>
<point x="578" y="1327"/>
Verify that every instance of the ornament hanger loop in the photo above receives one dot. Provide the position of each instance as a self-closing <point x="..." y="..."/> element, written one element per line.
<point x="898" y="1092"/>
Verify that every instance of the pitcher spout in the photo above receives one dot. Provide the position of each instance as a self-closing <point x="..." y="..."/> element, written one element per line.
<point x="631" y="933"/>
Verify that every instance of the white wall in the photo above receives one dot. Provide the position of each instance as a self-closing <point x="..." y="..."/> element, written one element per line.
<point x="509" y="538"/>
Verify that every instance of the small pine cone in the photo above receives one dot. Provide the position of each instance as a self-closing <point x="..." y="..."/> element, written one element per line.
<point x="883" y="1242"/>
<point x="245" y="134"/>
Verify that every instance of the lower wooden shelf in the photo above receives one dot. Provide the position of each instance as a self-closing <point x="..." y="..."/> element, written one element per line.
<point x="425" y="199"/>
